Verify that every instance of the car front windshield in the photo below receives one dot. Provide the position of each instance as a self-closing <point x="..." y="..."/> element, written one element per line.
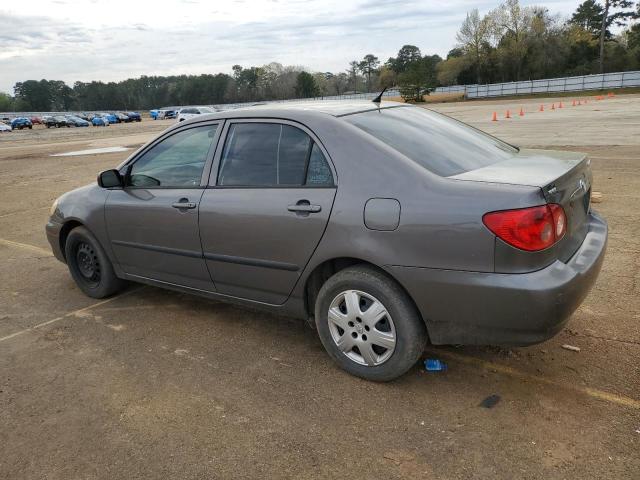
<point x="439" y="143"/>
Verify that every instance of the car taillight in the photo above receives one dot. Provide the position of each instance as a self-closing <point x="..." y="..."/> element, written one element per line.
<point x="531" y="229"/>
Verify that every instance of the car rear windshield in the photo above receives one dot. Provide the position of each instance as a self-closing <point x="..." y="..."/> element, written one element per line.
<point x="439" y="143"/>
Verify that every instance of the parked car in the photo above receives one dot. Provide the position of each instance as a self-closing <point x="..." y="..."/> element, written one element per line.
<point x="83" y="116"/>
<point x="98" y="121"/>
<point x="56" y="121"/>
<point x="154" y="114"/>
<point x="190" y="112"/>
<point x="36" y="120"/>
<point x="383" y="224"/>
<point x="74" y="121"/>
<point x="19" y="123"/>
<point x="122" y="117"/>
<point x="111" y="117"/>
<point x="167" y="114"/>
<point x="4" y="127"/>
<point x="133" y="116"/>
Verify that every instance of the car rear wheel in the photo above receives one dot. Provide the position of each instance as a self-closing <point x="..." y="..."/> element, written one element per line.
<point x="89" y="265"/>
<point x="368" y="324"/>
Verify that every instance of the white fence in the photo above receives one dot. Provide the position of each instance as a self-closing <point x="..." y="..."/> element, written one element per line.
<point x="604" y="81"/>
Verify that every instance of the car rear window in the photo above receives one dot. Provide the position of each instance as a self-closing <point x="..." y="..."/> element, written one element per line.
<point x="439" y="143"/>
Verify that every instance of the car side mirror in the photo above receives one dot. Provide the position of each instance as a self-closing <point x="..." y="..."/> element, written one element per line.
<point x="110" y="179"/>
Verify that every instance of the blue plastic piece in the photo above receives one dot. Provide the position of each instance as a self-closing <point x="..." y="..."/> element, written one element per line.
<point x="434" y="365"/>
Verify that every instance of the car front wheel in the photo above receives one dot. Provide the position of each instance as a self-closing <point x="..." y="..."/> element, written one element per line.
<point x="89" y="265"/>
<point x="368" y="324"/>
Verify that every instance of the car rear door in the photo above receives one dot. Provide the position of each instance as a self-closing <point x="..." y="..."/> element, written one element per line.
<point x="153" y="222"/>
<point x="270" y="197"/>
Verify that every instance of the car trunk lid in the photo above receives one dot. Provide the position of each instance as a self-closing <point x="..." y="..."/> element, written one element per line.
<point x="563" y="177"/>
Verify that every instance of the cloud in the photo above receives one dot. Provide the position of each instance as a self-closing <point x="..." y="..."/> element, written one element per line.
<point x="118" y="39"/>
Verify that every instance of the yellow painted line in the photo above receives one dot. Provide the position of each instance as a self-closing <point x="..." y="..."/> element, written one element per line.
<point x="70" y="314"/>
<point x="506" y="370"/>
<point x="24" y="246"/>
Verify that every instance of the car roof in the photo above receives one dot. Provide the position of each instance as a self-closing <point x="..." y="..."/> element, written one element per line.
<point x="298" y="110"/>
<point x="336" y="108"/>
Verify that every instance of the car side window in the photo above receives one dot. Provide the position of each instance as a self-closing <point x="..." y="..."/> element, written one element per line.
<point x="271" y="155"/>
<point x="318" y="172"/>
<point x="177" y="161"/>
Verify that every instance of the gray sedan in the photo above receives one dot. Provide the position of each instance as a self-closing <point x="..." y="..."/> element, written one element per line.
<point x="385" y="226"/>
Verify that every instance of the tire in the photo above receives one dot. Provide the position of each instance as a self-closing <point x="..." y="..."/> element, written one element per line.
<point x="399" y="327"/>
<point x="89" y="265"/>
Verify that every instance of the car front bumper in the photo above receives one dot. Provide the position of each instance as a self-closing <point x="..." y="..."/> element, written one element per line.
<point x="53" y="230"/>
<point x="477" y="308"/>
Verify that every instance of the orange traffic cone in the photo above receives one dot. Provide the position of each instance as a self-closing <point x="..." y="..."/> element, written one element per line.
<point x="560" y="106"/>
<point x="573" y="104"/>
<point x="495" y="117"/>
<point x="541" y="108"/>
<point x="508" y="115"/>
<point x="521" y="112"/>
<point x="553" y="106"/>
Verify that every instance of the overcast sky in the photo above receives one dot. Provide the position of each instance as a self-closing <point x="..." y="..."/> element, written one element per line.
<point x="112" y="40"/>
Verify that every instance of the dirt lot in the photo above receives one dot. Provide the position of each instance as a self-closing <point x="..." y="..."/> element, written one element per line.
<point x="157" y="384"/>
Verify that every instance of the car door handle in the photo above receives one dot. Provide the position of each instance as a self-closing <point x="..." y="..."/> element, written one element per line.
<point x="185" y="205"/>
<point x="304" y="208"/>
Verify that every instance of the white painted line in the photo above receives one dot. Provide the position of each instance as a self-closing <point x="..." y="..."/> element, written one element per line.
<point x="70" y="314"/>
<point x="92" y="151"/>
<point x="25" y="246"/>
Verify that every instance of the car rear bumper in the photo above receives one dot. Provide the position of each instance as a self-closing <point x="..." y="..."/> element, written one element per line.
<point x="53" y="236"/>
<point x="505" y="309"/>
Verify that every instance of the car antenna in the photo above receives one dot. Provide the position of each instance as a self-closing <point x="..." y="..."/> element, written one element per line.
<point x="378" y="99"/>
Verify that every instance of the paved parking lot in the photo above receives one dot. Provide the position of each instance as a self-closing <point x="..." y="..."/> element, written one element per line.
<point x="158" y="384"/>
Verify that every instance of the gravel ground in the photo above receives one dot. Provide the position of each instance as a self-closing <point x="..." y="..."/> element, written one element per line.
<point x="156" y="384"/>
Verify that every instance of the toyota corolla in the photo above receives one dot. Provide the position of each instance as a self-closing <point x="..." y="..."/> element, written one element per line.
<point x="385" y="226"/>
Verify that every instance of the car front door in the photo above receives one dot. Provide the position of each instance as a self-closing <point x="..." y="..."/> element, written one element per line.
<point x="266" y="210"/>
<point x="153" y="221"/>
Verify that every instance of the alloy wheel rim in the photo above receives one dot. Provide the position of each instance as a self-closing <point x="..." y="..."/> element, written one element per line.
<point x="88" y="264"/>
<point x="362" y="328"/>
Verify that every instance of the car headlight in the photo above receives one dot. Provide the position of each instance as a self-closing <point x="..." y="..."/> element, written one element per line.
<point x="54" y="207"/>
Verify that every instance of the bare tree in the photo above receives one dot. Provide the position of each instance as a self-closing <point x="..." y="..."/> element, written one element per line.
<point x="618" y="18"/>
<point x="367" y="66"/>
<point x="353" y="72"/>
<point x="510" y="25"/>
<point x="474" y="33"/>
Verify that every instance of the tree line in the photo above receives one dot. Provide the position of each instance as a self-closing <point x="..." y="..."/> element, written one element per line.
<point x="510" y="43"/>
<point x="513" y="42"/>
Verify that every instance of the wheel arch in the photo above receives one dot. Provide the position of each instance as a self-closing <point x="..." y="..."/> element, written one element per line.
<point x="64" y="233"/>
<point x="323" y="271"/>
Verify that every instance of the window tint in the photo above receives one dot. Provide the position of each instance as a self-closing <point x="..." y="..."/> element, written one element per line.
<point x="439" y="143"/>
<point x="318" y="172"/>
<point x="270" y="154"/>
<point x="177" y="161"/>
